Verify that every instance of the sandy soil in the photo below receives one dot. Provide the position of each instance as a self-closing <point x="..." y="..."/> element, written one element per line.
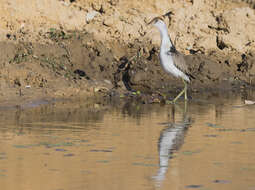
<point x="64" y="49"/>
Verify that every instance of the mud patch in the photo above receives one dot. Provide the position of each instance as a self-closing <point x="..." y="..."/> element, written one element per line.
<point x="74" y="63"/>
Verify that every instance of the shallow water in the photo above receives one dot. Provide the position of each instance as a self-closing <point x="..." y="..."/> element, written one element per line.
<point x="202" y="145"/>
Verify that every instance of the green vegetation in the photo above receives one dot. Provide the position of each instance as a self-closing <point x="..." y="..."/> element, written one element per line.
<point x="57" y="35"/>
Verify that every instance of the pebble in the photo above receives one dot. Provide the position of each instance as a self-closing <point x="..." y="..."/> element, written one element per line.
<point x="91" y="15"/>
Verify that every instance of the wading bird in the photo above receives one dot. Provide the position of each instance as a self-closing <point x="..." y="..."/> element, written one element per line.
<point x="171" y="60"/>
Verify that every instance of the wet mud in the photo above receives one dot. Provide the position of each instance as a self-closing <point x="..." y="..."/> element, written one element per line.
<point x="74" y="64"/>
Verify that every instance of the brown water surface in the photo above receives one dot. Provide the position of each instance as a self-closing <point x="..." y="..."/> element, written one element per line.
<point x="206" y="145"/>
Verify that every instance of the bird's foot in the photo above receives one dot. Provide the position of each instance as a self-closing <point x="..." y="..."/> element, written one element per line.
<point x="175" y="100"/>
<point x="170" y="102"/>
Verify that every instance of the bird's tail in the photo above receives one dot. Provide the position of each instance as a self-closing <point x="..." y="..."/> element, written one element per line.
<point x="188" y="77"/>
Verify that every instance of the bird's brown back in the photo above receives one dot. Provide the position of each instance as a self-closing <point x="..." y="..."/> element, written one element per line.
<point x="180" y="62"/>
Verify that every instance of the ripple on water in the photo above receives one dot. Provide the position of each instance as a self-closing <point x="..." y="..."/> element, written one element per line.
<point x="207" y="146"/>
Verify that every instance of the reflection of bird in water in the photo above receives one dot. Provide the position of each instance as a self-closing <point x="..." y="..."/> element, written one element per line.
<point x="171" y="139"/>
<point x="171" y="60"/>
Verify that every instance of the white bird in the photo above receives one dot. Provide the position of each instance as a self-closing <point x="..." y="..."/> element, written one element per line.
<point x="171" y="60"/>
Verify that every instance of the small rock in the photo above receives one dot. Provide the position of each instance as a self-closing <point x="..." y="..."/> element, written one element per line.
<point x="81" y="73"/>
<point x="108" y="82"/>
<point x="91" y="15"/>
<point x="101" y="89"/>
<point x="249" y="102"/>
<point x="109" y="22"/>
<point x="113" y="21"/>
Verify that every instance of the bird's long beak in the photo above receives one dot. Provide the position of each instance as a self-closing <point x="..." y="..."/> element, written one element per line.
<point x="168" y="14"/>
<point x="150" y="22"/>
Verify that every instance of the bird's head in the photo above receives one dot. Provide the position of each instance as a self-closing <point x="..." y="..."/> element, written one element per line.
<point x="157" y="22"/>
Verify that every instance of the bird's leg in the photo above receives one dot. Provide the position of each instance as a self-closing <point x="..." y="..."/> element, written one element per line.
<point x="183" y="91"/>
<point x="178" y="96"/>
<point x="185" y="107"/>
<point x="185" y="88"/>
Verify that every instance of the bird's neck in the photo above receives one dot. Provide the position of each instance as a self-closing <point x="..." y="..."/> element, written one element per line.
<point x="165" y="39"/>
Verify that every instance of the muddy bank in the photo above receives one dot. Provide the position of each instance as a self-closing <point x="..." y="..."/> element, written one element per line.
<point x="107" y="50"/>
<point x="75" y="64"/>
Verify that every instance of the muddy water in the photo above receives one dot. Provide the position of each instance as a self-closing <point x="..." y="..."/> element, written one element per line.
<point x="203" y="145"/>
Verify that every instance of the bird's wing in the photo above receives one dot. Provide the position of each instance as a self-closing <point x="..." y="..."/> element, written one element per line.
<point x="178" y="60"/>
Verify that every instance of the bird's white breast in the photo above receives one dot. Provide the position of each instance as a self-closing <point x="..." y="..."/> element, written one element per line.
<point x="167" y="63"/>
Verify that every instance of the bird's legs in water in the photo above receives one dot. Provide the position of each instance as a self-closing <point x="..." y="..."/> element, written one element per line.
<point x="183" y="91"/>
<point x="185" y="87"/>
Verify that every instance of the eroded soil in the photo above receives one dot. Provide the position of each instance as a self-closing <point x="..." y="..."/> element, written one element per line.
<point x="58" y="62"/>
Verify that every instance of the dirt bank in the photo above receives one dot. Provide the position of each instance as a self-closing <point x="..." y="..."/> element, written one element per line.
<point x="63" y="49"/>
